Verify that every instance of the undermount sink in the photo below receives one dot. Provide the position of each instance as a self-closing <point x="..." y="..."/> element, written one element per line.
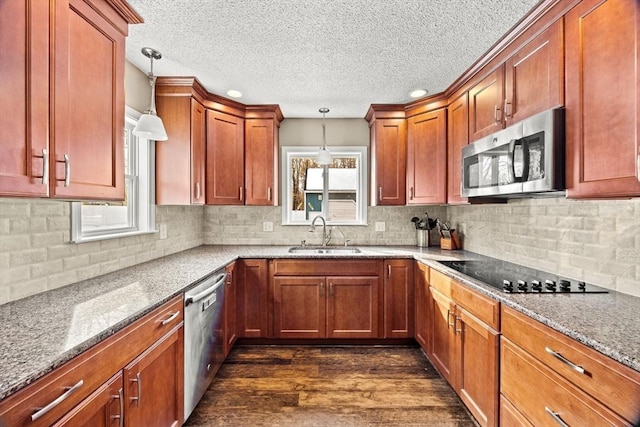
<point x="315" y="250"/>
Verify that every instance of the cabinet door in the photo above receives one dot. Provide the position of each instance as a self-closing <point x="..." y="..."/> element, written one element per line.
<point x="442" y="345"/>
<point x="87" y="150"/>
<point x="427" y="158"/>
<point x="602" y="99"/>
<point x="389" y="155"/>
<point x="457" y="138"/>
<point x="477" y="357"/>
<point x="180" y="159"/>
<point x="230" y="309"/>
<point x="422" y="325"/>
<point x="225" y="159"/>
<point x="352" y="307"/>
<point x="252" y="304"/>
<point x="103" y="408"/>
<point x="260" y="162"/>
<point x="24" y="106"/>
<point x="299" y="308"/>
<point x="534" y="76"/>
<point x="153" y="389"/>
<point x="485" y="105"/>
<point x="398" y="298"/>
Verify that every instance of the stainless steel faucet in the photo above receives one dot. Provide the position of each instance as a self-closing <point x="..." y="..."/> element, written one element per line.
<point x="325" y="240"/>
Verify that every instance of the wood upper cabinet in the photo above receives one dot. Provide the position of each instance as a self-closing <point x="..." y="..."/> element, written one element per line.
<point x="422" y="323"/>
<point x="180" y="160"/>
<point x="485" y="105"/>
<point x="534" y="76"/>
<point x="102" y="408"/>
<point x="24" y="108"/>
<point x="602" y="99"/>
<point x="252" y="298"/>
<point x="398" y="298"/>
<point x="154" y="384"/>
<point x="388" y="140"/>
<point x="230" y="308"/>
<point x="261" y="165"/>
<point x="457" y="139"/>
<point x="63" y="63"/>
<point x="225" y="159"/>
<point x="427" y="158"/>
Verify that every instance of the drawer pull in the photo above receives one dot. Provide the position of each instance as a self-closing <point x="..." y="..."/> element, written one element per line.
<point x="556" y="417"/>
<point x="45" y="166"/>
<point x="564" y="360"/>
<point x="68" y="392"/>
<point x="138" y="380"/>
<point x="170" y="319"/>
<point x="67" y="170"/>
<point x="120" y="416"/>
<point x="449" y="325"/>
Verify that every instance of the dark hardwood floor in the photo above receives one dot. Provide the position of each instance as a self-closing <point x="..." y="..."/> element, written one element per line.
<point x="329" y="386"/>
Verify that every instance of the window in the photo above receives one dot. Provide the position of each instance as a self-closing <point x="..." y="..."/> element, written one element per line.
<point x="337" y="191"/>
<point x="136" y="214"/>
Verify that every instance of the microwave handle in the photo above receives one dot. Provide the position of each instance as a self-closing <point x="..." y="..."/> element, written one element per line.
<point x="525" y="159"/>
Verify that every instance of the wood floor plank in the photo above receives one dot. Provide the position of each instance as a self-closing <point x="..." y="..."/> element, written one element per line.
<point x="329" y="386"/>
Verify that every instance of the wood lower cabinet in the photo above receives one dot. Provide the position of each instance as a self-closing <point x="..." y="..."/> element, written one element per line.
<point x="398" y="298"/>
<point x="422" y="329"/>
<point x="62" y="104"/>
<point x="230" y="308"/>
<point x="180" y="160"/>
<point x="464" y="344"/>
<point x="99" y="383"/>
<point x="427" y="158"/>
<point x="154" y="383"/>
<point x="225" y="159"/>
<point x="457" y="139"/>
<point x="602" y="99"/>
<point x="253" y="298"/>
<point x="325" y="307"/>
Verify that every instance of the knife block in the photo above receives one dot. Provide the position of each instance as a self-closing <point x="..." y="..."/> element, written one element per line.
<point x="452" y="243"/>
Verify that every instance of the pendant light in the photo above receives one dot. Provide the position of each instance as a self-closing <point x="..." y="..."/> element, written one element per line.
<point x="150" y="125"/>
<point x="324" y="156"/>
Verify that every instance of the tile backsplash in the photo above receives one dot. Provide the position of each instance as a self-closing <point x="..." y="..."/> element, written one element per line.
<point x="36" y="256"/>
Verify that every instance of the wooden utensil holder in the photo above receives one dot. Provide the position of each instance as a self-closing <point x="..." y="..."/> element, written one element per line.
<point x="452" y="243"/>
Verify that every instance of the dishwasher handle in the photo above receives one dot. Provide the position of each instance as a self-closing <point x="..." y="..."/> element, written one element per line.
<point x="218" y="281"/>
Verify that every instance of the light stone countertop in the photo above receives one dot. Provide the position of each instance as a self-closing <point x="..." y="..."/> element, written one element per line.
<point x="41" y="332"/>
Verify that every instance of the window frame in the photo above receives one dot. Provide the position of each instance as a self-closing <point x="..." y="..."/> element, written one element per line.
<point x="140" y="177"/>
<point x="359" y="152"/>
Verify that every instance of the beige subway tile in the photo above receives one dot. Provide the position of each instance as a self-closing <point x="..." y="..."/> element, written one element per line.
<point x="43" y="240"/>
<point x="14" y="208"/>
<point x="44" y="269"/>
<point x="15" y="243"/>
<point x="26" y="257"/>
<point x="15" y="275"/>
<point x="75" y="262"/>
<point x="48" y="208"/>
<point x="62" y="279"/>
<point x="27" y="288"/>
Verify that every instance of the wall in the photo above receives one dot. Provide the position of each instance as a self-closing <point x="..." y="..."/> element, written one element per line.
<point x="594" y="241"/>
<point x="308" y="132"/>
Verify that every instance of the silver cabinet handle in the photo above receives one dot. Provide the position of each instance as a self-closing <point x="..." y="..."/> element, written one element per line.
<point x="68" y="392"/>
<point x="269" y="194"/>
<point x="556" y="417"/>
<point x="138" y="380"/>
<point x="496" y="115"/>
<point x="564" y="360"/>
<point x="638" y="166"/>
<point x="67" y="170"/>
<point x="321" y="289"/>
<point x="507" y="109"/>
<point x="330" y="289"/>
<point x="197" y="190"/>
<point x="457" y="322"/>
<point x="170" y="319"/>
<point x="241" y="194"/>
<point x="410" y="193"/>
<point x="45" y="166"/>
<point x="120" y="416"/>
<point x="389" y="271"/>
<point x="379" y="194"/>
<point x="449" y="313"/>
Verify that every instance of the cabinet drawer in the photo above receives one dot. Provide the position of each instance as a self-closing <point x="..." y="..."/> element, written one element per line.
<point x="481" y="306"/>
<point x="83" y="374"/>
<point x="540" y="394"/>
<point x="510" y="416"/>
<point x="440" y="281"/>
<point x="613" y="384"/>
<point x="326" y="267"/>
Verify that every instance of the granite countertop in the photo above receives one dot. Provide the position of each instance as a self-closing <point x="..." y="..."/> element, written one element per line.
<point x="41" y="332"/>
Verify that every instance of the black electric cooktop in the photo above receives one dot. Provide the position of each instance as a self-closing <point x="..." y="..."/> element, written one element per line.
<point x="514" y="278"/>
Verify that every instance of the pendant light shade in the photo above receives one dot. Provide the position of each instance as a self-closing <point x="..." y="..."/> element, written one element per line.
<point x="324" y="155"/>
<point x="149" y="125"/>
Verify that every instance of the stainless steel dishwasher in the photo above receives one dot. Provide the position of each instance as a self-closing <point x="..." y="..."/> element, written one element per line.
<point x="203" y="337"/>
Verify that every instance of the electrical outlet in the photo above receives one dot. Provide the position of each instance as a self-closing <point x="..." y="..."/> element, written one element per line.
<point x="463" y="228"/>
<point x="267" y="226"/>
<point x="381" y="226"/>
<point x="163" y="231"/>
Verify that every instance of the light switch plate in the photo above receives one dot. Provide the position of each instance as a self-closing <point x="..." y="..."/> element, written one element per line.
<point x="380" y="226"/>
<point x="267" y="226"/>
<point x="163" y="231"/>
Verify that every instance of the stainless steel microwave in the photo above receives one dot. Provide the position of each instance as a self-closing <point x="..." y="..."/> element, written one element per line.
<point x="524" y="159"/>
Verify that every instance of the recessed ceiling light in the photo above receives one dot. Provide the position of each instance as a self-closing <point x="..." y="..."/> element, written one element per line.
<point x="418" y="93"/>
<point x="234" y="93"/>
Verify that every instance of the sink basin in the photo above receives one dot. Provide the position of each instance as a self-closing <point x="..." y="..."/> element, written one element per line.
<point x="327" y="250"/>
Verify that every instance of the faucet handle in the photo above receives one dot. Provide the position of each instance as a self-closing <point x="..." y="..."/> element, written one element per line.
<point x="303" y="243"/>
<point x="346" y="242"/>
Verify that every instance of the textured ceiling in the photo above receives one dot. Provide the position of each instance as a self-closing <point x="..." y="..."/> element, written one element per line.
<point x="307" y="54"/>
